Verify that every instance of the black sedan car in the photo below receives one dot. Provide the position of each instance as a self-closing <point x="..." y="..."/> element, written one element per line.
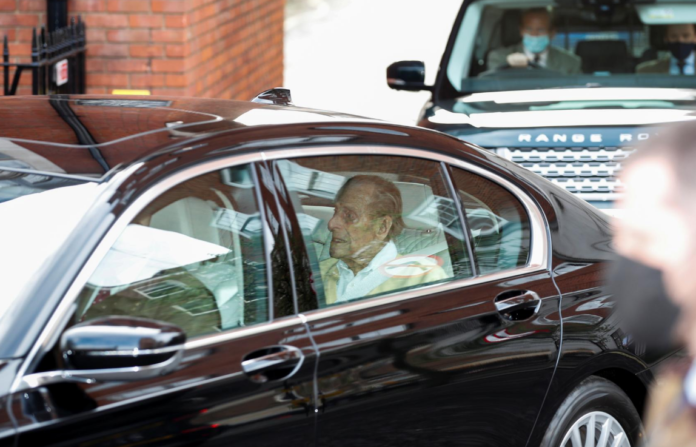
<point x="205" y="272"/>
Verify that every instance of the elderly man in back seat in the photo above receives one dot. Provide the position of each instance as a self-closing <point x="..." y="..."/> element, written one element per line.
<point x="366" y="219"/>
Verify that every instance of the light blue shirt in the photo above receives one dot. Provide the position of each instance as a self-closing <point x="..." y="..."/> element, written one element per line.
<point x="351" y="286"/>
<point x="688" y="66"/>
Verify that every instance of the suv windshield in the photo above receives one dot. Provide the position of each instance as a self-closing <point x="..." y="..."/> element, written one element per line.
<point x="504" y="45"/>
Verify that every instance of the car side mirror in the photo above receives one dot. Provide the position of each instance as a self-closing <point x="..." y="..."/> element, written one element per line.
<point x="115" y="349"/>
<point x="120" y="342"/>
<point x="407" y="75"/>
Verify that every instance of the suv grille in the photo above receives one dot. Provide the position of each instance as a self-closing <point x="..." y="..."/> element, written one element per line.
<point x="588" y="172"/>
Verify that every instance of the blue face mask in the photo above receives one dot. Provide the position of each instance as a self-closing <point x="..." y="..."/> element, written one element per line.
<point x="535" y="44"/>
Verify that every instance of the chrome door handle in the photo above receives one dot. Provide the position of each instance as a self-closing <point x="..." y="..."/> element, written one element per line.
<point x="510" y="302"/>
<point x="272" y="363"/>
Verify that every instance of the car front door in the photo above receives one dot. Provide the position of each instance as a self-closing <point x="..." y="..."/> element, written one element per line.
<point x="440" y="350"/>
<point x="197" y="256"/>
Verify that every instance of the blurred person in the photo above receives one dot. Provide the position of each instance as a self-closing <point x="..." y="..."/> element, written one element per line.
<point x="536" y="30"/>
<point x="680" y="40"/>
<point x="367" y="217"/>
<point x="657" y="236"/>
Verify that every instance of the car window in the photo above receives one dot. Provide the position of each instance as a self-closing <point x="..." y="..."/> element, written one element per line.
<point x="375" y="224"/>
<point x="193" y="257"/>
<point x="498" y="223"/>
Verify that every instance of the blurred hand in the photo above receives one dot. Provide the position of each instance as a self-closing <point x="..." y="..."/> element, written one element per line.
<point x="517" y="60"/>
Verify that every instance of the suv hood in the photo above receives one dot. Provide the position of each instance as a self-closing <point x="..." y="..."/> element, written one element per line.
<point x="567" y="108"/>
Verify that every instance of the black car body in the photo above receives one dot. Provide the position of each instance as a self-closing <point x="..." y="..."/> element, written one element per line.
<point x="482" y="359"/>
<point x="574" y="129"/>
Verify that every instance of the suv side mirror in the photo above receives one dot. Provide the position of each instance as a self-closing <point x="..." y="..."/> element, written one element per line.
<point x="115" y="349"/>
<point x="407" y="75"/>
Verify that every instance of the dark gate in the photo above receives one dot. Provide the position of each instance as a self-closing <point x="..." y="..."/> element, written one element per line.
<point x="57" y="61"/>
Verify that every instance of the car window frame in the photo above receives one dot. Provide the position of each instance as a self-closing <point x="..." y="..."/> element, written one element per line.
<point x="540" y="243"/>
<point x="538" y="260"/>
<point x="466" y="219"/>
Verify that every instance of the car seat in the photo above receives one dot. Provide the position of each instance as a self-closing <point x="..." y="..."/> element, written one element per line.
<point x="609" y="56"/>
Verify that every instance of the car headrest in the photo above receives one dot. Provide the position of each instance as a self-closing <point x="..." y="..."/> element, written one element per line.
<point x="420" y="207"/>
<point x="603" y="56"/>
<point x="510" y="28"/>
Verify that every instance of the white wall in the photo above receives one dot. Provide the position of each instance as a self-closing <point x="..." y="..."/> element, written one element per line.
<point x="337" y="52"/>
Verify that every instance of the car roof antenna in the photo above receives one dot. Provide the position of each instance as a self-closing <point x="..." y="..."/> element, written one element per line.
<point x="279" y="96"/>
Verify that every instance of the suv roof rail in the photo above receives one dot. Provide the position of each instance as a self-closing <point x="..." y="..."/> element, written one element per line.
<point x="279" y="96"/>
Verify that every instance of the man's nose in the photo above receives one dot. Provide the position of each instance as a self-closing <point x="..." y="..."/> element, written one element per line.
<point x="334" y="223"/>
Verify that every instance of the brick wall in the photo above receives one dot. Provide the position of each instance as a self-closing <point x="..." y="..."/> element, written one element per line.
<point x="209" y="48"/>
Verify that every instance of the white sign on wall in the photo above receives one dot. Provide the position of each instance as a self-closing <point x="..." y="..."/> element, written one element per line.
<point x="61" y="72"/>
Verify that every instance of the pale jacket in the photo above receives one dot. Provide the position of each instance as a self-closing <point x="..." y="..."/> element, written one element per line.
<point x="330" y="276"/>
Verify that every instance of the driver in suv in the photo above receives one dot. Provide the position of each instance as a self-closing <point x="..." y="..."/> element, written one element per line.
<point x="536" y="30"/>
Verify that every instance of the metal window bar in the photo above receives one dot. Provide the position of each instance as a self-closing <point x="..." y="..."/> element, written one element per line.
<point x="47" y="49"/>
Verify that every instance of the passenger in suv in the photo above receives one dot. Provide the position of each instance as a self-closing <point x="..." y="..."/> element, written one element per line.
<point x="680" y="39"/>
<point x="574" y="127"/>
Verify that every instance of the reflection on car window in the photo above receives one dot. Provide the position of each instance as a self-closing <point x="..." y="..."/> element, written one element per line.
<point x="375" y="224"/>
<point x="194" y="257"/>
<point x="497" y="220"/>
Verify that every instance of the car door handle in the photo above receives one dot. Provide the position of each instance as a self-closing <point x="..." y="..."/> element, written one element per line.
<point x="272" y="363"/>
<point x="517" y="304"/>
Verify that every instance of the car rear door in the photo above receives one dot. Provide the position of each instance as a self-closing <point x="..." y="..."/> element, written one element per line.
<point x="465" y="359"/>
<point x="196" y="251"/>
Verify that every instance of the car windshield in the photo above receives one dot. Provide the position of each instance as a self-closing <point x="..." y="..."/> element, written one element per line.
<point x="504" y="45"/>
<point x="37" y="214"/>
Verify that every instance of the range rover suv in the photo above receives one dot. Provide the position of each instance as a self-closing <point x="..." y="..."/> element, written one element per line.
<point x="573" y="122"/>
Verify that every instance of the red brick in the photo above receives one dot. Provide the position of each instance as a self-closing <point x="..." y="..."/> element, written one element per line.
<point x="96" y="35"/>
<point x="109" y="50"/>
<point x="20" y="49"/>
<point x="106" y="20"/>
<point x="11" y="34"/>
<point x="127" y="66"/>
<point x="128" y="35"/>
<point x="166" y="66"/>
<point x="177" y="50"/>
<point x="145" y="21"/>
<point x="8" y="5"/>
<point x="25" y="35"/>
<point x="86" y="6"/>
<point x="147" y="80"/>
<point x="168" y="6"/>
<point x="95" y="90"/>
<point x="176" y="20"/>
<point x="32" y="5"/>
<point x="146" y="50"/>
<point x="170" y="91"/>
<point x="107" y="80"/>
<point x="128" y="5"/>
<point x="7" y="19"/>
<point x="174" y="36"/>
<point x="176" y="80"/>
<point x="95" y="65"/>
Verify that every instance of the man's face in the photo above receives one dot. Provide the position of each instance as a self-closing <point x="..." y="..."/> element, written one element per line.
<point x="680" y="34"/>
<point x="356" y="233"/>
<point x="536" y="24"/>
<point x="650" y="229"/>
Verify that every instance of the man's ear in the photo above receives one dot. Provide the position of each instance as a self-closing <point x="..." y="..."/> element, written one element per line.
<point x="384" y="225"/>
